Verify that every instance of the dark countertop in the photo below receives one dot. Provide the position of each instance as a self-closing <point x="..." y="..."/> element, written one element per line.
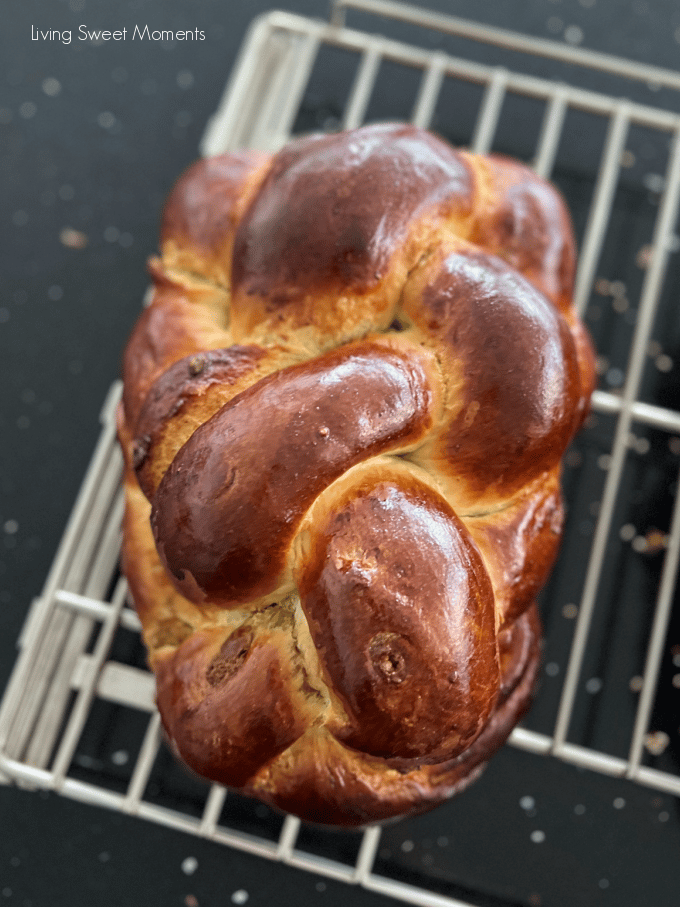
<point x="92" y="139"/>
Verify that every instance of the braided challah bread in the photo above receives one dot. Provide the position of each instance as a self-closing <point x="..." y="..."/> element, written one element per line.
<point x="343" y="416"/>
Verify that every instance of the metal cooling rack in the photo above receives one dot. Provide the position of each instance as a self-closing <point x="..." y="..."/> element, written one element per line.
<point x="80" y="677"/>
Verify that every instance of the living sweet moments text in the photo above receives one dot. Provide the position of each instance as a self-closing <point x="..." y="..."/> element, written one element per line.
<point x="97" y="36"/>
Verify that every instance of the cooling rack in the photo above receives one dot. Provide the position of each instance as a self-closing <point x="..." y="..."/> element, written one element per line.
<point x="609" y="698"/>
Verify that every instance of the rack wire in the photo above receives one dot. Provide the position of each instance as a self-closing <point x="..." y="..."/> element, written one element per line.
<point x="81" y="665"/>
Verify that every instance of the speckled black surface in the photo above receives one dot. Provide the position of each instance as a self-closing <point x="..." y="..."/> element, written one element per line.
<point x="91" y="139"/>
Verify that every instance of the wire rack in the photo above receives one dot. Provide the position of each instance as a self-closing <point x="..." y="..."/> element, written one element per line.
<point x="80" y="685"/>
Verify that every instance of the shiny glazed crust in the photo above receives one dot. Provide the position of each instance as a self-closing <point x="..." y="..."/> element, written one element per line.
<point x="343" y="417"/>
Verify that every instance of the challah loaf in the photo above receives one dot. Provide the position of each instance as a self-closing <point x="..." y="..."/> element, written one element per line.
<point x="343" y="416"/>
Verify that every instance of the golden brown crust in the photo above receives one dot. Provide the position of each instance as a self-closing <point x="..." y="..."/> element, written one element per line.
<point x="230" y="698"/>
<point x="186" y="395"/>
<point x="343" y="417"/>
<point x="314" y="251"/>
<point x="183" y="318"/>
<point x="523" y="220"/>
<point x="204" y="209"/>
<point x="226" y="511"/>
<point x="488" y="323"/>
<point x="528" y="532"/>
<point x="401" y="611"/>
<point x="323" y="781"/>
